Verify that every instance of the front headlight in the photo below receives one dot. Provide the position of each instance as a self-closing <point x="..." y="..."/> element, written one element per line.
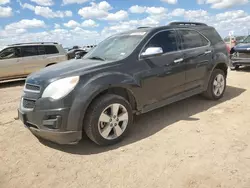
<point x="60" y="88"/>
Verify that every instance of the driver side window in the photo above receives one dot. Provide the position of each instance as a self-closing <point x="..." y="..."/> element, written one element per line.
<point x="10" y="53"/>
<point x="165" y="39"/>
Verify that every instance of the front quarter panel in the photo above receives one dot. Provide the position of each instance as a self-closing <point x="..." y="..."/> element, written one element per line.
<point x="86" y="92"/>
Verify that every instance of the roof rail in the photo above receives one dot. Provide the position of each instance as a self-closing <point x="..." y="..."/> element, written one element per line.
<point x="187" y="23"/>
<point x="142" y="27"/>
<point x="33" y="43"/>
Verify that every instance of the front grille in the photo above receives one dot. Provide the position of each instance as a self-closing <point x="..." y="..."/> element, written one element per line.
<point x="244" y="55"/>
<point x="28" y="103"/>
<point x="32" y="87"/>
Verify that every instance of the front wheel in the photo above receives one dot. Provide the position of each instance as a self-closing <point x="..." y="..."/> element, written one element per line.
<point x="216" y="86"/>
<point x="108" y="119"/>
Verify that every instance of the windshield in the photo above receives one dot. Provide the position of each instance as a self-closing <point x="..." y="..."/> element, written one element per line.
<point x="116" y="47"/>
<point x="247" y="40"/>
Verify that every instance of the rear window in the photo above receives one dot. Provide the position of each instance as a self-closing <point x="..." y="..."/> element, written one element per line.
<point x="49" y="49"/>
<point x="212" y="35"/>
<point x="192" y="39"/>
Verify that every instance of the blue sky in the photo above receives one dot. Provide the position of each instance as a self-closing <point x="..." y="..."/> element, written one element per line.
<point x="80" y="22"/>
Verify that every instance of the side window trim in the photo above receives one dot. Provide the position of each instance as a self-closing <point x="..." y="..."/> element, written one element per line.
<point x="177" y="42"/>
<point x="208" y="45"/>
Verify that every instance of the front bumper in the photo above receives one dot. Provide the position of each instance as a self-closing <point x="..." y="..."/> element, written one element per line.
<point x="240" y="61"/>
<point x="50" y="125"/>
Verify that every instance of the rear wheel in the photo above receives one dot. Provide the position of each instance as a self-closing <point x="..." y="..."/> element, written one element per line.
<point x="216" y="86"/>
<point x="108" y="119"/>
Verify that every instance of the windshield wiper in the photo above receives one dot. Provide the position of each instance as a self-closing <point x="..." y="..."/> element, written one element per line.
<point x="96" y="58"/>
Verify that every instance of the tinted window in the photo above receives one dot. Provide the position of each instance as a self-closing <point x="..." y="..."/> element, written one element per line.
<point x="212" y="35"/>
<point x="192" y="39"/>
<point x="41" y="50"/>
<point x="29" y="51"/>
<point x="166" y="40"/>
<point x="10" y="53"/>
<point x="51" y="49"/>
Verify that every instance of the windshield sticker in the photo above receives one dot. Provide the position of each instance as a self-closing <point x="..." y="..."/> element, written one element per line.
<point x="138" y="33"/>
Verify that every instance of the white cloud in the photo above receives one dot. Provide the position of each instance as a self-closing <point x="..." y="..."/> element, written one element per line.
<point x="65" y="2"/>
<point x="118" y="16"/>
<point x="156" y="10"/>
<point x="68" y="13"/>
<point x="189" y="14"/>
<point x="25" y="24"/>
<point x="57" y="26"/>
<point x="178" y="12"/>
<point x="72" y="24"/>
<point x="5" y="12"/>
<point x="89" y="23"/>
<point x="4" y="2"/>
<point x="49" y="13"/>
<point x="170" y="1"/>
<point x="95" y="10"/>
<point x="231" y="14"/>
<point x="137" y="9"/>
<point x="43" y="2"/>
<point x="28" y="6"/>
<point x="220" y="4"/>
<point x="150" y="10"/>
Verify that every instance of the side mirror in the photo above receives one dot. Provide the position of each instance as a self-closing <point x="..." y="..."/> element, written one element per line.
<point x="152" y="51"/>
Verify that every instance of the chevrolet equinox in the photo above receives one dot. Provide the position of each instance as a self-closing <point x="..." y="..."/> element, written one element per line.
<point x="129" y="73"/>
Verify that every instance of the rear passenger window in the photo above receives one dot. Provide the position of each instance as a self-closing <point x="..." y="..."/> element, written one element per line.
<point x="165" y="39"/>
<point x="41" y="50"/>
<point x="212" y="35"/>
<point x="192" y="39"/>
<point x="29" y="51"/>
<point x="51" y="49"/>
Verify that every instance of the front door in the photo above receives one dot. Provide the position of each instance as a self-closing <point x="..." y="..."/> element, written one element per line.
<point x="197" y="57"/>
<point x="166" y="72"/>
<point x="11" y="63"/>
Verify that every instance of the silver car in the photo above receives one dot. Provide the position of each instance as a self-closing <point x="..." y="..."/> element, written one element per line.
<point x="19" y="60"/>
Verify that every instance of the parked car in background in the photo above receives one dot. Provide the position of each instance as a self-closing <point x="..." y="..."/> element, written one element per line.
<point x="129" y="73"/>
<point x="19" y="60"/>
<point x="72" y="53"/>
<point x="240" y="54"/>
<point x="80" y="54"/>
<point x="89" y="47"/>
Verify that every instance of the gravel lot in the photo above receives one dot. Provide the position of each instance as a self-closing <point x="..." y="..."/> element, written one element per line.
<point x="192" y="143"/>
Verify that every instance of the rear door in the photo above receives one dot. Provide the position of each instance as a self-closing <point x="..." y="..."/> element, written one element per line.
<point x="32" y="60"/>
<point x="53" y="55"/>
<point x="197" y="53"/>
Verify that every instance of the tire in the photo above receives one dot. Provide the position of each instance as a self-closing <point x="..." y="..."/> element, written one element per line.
<point x="210" y="92"/>
<point x="236" y="67"/>
<point x="95" y="129"/>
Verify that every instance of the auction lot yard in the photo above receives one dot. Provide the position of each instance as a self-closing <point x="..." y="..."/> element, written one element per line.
<point x="193" y="143"/>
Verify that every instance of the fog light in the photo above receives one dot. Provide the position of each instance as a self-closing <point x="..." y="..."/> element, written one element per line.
<point x="53" y="122"/>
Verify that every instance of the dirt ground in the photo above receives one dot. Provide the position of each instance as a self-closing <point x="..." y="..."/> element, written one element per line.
<point x="193" y="143"/>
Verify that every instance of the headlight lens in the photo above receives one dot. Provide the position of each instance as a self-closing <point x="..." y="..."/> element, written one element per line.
<point x="60" y="88"/>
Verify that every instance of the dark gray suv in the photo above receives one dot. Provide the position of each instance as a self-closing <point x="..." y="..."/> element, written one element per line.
<point x="129" y="73"/>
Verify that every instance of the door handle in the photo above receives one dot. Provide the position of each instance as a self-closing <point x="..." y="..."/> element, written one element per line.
<point x="208" y="52"/>
<point x="178" y="60"/>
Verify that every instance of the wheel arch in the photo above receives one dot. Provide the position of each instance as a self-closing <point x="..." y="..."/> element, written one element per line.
<point x="50" y="64"/>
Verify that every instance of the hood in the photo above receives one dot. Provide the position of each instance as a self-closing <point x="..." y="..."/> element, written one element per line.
<point x="242" y="47"/>
<point x="74" y="67"/>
